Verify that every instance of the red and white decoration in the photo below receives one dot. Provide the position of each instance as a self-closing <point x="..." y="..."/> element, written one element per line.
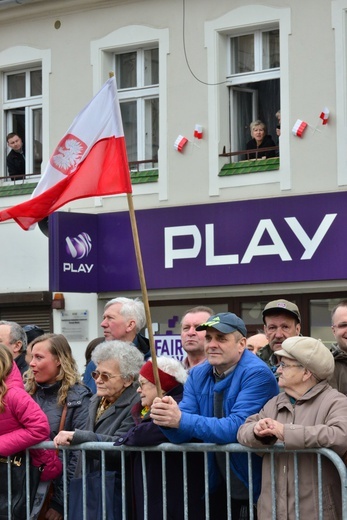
<point x="324" y="115"/>
<point x="299" y="128"/>
<point x="198" y="132"/>
<point x="180" y="143"/>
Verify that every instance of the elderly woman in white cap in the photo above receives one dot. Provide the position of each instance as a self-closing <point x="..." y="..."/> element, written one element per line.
<point x="309" y="413"/>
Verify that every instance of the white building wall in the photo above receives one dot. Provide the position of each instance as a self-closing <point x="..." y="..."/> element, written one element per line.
<point x="313" y="68"/>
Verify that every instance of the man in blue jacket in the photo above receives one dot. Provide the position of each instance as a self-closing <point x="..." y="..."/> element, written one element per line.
<point x="218" y="397"/>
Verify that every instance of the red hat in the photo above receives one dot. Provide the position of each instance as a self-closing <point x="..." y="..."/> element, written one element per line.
<point x="167" y="382"/>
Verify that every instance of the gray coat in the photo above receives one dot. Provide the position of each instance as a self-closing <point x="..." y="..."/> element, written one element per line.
<point x="77" y="413"/>
<point x="113" y="423"/>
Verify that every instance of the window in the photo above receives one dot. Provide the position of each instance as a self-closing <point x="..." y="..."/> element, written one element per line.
<point x="137" y="73"/>
<point x="254" y="84"/>
<point x="23" y="113"/>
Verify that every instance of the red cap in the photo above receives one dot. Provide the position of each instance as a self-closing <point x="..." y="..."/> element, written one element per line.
<point x="167" y="382"/>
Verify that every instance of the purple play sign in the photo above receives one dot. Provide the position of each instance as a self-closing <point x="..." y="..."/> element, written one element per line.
<point x="230" y="243"/>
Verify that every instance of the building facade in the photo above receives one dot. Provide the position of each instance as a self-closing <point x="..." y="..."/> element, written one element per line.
<point x="216" y="227"/>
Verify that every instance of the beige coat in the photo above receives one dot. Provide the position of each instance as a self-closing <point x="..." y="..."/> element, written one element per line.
<point x="317" y="420"/>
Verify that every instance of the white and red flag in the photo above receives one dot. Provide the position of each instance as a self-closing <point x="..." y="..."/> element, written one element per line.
<point x="180" y="143"/>
<point x="324" y="115"/>
<point x="198" y="132"/>
<point x="90" y="160"/>
<point x="299" y="127"/>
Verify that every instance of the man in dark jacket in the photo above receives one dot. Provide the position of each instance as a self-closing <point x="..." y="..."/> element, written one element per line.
<point x="339" y="349"/>
<point x="282" y="320"/>
<point x="16" y="158"/>
<point x="13" y="336"/>
<point x="123" y="319"/>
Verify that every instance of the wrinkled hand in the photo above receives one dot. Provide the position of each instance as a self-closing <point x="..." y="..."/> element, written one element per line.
<point x="63" y="439"/>
<point x="52" y="514"/>
<point x="165" y="412"/>
<point x="266" y="427"/>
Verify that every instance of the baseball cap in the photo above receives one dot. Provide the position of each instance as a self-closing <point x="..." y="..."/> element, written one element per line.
<point x="278" y="306"/>
<point x="311" y="353"/>
<point x="225" y="322"/>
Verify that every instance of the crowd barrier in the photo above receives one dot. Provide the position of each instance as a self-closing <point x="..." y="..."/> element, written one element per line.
<point x="165" y="448"/>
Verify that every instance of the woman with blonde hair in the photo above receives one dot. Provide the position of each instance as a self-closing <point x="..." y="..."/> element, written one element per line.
<point x="54" y="382"/>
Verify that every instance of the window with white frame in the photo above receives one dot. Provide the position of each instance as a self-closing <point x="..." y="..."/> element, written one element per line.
<point x="22" y="107"/>
<point x="137" y="73"/>
<point x="254" y="83"/>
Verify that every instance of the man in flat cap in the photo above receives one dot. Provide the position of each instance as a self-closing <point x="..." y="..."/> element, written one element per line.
<point x="217" y="398"/>
<point x="308" y="413"/>
<point x="281" y="321"/>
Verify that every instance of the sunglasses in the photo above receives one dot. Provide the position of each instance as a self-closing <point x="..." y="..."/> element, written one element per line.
<point x="104" y="377"/>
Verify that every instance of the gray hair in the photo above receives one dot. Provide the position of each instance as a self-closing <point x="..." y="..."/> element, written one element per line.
<point x="17" y="333"/>
<point x="129" y="358"/>
<point x="131" y="309"/>
<point x="173" y="367"/>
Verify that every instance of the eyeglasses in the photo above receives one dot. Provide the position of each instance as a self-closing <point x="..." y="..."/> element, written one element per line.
<point x="284" y="365"/>
<point x="143" y="383"/>
<point x="104" y="377"/>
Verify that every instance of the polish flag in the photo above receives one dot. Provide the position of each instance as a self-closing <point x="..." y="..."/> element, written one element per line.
<point x="299" y="128"/>
<point x="180" y="143"/>
<point x="324" y="115"/>
<point x="198" y="132"/>
<point x="89" y="161"/>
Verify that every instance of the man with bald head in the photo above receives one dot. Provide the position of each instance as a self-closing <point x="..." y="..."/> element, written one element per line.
<point x="256" y="342"/>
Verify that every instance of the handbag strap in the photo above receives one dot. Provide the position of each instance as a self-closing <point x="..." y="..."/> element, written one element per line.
<point x="63" y="418"/>
<point x="62" y="422"/>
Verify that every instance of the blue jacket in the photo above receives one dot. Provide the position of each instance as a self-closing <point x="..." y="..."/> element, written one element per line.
<point x="246" y="389"/>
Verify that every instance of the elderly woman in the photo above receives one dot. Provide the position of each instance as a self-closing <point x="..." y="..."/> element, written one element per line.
<point x="309" y="413"/>
<point x="117" y="367"/>
<point x="172" y="376"/>
<point x="260" y="140"/>
<point x="54" y="382"/>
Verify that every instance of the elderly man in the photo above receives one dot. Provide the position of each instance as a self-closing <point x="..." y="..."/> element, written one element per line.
<point x="281" y="321"/>
<point x="307" y="414"/>
<point x="339" y="349"/>
<point x="123" y="319"/>
<point x="13" y="336"/>
<point x="193" y="341"/>
<point x="217" y="398"/>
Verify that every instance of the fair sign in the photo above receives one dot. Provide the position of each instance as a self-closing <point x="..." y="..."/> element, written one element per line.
<point x="285" y="239"/>
<point x="169" y="345"/>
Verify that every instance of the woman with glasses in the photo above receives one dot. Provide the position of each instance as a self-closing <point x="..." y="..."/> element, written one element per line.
<point x="309" y="413"/>
<point x="54" y="382"/>
<point x="117" y="367"/>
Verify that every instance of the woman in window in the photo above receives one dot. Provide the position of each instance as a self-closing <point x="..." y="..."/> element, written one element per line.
<point x="259" y="141"/>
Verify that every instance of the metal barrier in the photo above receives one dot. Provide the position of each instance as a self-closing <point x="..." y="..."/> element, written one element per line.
<point x="103" y="447"/>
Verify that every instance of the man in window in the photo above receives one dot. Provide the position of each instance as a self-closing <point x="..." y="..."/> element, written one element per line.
<point x="16" y="158"/>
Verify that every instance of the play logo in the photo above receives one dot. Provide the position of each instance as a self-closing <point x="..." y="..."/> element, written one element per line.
<point x="80" y="246"/>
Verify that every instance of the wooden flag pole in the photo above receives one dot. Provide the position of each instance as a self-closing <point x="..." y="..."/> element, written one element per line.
<point x="143" y="287"/>
<point x="144" y="292"/>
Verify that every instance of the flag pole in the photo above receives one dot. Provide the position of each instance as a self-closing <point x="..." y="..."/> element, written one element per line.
<point x="143" y="286"/>
<point x="144" y="292"/>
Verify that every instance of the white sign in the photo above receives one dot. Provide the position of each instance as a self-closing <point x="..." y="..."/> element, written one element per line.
<point x="74" y="325"/>
<point x="169" y="345"/>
